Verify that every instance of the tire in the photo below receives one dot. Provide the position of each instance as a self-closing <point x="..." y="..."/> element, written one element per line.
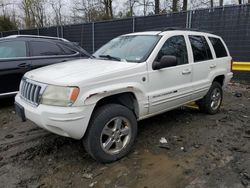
<point x="211" y="102"/>
<point x="111" y="133"/>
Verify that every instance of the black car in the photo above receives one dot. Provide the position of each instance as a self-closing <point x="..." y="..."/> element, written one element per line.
<point x="21" y="53"/>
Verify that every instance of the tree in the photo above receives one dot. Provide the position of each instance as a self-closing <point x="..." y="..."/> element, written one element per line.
<point x="131" y="7"/>
<point x="88" y="11"/>
<point x="184" y="6"/>
<point x="6" y="24"/>
<point x="212" y="3"/>
<point x="57" y="8"/>
<point x="108" y="8"/>
<point x="157" y="6"/>
<point x="4" y="5"/>
<point x="29" y="19"/>
<point x="221" y="3"/>
<point x="39" y="12"/>
<point x="174" y="5"/>
<point x="34" y="13"/>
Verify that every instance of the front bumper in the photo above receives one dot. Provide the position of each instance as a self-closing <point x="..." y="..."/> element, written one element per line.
<point x="65" y="121"/>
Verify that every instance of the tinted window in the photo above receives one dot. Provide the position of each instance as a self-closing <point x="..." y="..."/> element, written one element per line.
<point x="201" y="50"/>
<point x="219" y="48"/>
<point x="12" y="49"/>
<point x="68" y="51"/>
<point x="41" y="48"/>
<point x="175" y="46"/>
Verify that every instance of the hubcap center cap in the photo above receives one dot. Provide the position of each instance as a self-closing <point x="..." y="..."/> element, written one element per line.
<point x="116" y="136"/>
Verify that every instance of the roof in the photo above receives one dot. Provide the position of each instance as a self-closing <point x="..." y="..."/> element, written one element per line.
<point x="163" y="31"/>
<point x="35" y="36"/>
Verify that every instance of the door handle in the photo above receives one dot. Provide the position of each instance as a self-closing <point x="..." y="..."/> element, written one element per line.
<point x="186" y="71"/>
<point x="212" y="66"/>
<point x="24" y="65"/>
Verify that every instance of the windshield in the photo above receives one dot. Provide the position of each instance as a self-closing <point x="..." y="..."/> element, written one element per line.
<point x="132" y="48"/>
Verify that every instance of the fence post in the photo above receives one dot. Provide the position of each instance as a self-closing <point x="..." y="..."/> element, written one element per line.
<point x="93" y="37"/>
<point x="18" y="32"/>
<point x="1" y="34"/>
<point x="190" y="19"/>
<point x="62" y="33"/>
<point x="38" y="32"/>
<point x="187" y="20"/>
<point x="133" y="24"/>
<point x="57" y="31"/>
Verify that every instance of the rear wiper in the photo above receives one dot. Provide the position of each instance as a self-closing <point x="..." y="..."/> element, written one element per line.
<point x="110" y="57"/>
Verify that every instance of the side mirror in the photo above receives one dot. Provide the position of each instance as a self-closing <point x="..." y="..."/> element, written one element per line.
<point x="166" y="61"/>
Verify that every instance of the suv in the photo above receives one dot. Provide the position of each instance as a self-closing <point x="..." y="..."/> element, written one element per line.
<point x="21" y="53"/>
<point x="132" y="77"/>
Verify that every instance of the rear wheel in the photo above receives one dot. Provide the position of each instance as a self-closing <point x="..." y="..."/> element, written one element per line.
<point x="212" y="101"/>
<point x="111" y="133"/>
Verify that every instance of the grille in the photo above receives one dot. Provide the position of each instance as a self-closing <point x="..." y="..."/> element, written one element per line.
<point x="31" y="91"/>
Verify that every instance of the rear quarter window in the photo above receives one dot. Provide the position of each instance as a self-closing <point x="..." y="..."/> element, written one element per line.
<point x="219" y="47"/>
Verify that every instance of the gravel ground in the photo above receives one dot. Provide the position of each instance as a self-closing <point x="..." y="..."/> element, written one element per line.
<point x="202" y="151"/>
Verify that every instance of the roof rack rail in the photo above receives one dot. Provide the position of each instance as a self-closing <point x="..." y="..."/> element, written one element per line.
<point x="162" y="29"/>
<point x="37" y="36"/>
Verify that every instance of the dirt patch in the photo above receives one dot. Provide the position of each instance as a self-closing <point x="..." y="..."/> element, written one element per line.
<point x="203" y="151"/>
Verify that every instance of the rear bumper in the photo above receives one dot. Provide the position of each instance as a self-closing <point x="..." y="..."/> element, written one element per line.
<point x="65" y="121"/>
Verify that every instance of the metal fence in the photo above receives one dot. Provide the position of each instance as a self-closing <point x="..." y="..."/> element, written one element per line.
<point x="232" y="23"/>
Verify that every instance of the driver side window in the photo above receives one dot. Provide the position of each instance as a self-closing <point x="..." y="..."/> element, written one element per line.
<point x="175" y="46"/>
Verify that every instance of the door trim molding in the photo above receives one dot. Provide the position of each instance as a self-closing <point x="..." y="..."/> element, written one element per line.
<point x="8" y="94"/>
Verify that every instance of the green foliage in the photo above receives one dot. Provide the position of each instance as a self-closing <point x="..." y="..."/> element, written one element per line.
<point x="6" y="24"/>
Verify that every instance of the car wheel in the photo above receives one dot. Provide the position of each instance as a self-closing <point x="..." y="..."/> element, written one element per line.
<point x="212" y="101"/>
<point x="111" y="133"/>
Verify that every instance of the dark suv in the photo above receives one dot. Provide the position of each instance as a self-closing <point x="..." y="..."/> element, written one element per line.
<point x="21" y="53"/>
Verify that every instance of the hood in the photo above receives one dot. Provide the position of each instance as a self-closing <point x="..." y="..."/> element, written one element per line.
<point x="77" y="70"/>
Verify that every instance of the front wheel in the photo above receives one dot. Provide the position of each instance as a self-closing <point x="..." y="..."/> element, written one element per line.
<point x="111" y="133"/>
<point x="212" y="101"/>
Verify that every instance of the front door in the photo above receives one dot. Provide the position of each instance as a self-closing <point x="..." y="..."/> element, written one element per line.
<point x="172" y="86"/>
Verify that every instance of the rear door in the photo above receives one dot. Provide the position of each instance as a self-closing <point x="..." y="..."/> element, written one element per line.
<point x="13" y="64"/>
<point x="46" y="53"/>
<point x="202" y="64"/>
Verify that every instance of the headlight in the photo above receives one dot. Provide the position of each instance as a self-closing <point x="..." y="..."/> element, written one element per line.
<point x="59" y="96"/>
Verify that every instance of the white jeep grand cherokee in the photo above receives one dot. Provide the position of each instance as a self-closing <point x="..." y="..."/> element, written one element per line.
<point x="132" y="77"/>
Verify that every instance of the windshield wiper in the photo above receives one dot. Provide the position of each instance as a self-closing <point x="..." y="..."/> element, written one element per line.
<point x="110" y="57"/>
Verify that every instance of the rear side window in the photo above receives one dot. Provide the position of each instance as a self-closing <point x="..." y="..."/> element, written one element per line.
<point x="12" y="49"/>
<point x="218" y="46"/>
<point x="41" y="48"/>
<point x="201" y="50"/>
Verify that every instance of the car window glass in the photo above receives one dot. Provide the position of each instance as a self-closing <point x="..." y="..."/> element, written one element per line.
<point x="41" y="48"/>
<point x="12" y="49"/>
<point x="218" y="46"/>
<point x="175" y="46"/>
<point x="200" y="48"/>
<point x="132" y="48"/>
<point x="68" y="51"/>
